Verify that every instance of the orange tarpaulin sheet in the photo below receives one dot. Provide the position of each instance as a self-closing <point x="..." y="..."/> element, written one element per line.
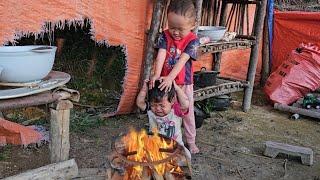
<point x="291" y="29"/>
<point x="13" y="133"/>
<point x="116" y="22"/>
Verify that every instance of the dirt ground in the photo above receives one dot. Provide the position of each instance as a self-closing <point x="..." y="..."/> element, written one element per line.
<point x="231" y="144"/>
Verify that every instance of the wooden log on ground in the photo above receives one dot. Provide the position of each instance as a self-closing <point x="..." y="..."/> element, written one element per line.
<point x="301" y="111"/>
<point x="59" y="131"/>
<point x="62" y="170"/>
<point x="257" y="31"/>
<point x="154" y="30"/>
<point x="92" y="174"/>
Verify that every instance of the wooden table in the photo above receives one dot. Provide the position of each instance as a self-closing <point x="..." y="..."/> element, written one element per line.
<point x="59" y="101"/>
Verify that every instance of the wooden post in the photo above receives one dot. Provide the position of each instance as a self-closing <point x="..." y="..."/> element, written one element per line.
<point x="198" y="18"/>
<point x="59" y="131"/>
<point x="152" y="34"/>
<point x="217" y="56"/>
<point x="265" y="69"/>
<point x="217" y="61"/>
<point x="257" y="31"/>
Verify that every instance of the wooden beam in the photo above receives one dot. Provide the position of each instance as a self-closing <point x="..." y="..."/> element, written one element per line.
<point x="62" y="170"/>
<point x="152" y="34"/>
<point x="59" y="131"/>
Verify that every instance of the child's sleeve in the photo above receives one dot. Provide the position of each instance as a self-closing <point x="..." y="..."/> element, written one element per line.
<point x="178" y="111"/>
<point x="162" y="41"/>
<point x="192" y="48"/>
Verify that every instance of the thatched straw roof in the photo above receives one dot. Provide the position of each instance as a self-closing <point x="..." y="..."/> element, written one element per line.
<point x="298" y="5"/>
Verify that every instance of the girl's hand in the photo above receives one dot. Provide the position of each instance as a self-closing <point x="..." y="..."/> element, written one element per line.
<point x="166" y="83"/>
<point x="152" y="81"/>
<point x="175" y="85"/>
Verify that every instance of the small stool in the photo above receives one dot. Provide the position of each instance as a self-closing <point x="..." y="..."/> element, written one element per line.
<point x="274" y="148"/>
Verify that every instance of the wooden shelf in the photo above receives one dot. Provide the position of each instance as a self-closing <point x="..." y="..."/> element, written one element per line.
<point x="221" y="46"/>
<point x="223" y="86"/>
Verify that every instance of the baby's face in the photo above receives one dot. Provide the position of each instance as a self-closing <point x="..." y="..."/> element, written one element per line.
<point x="161" y="108"/>
<point x="179" y="26"/>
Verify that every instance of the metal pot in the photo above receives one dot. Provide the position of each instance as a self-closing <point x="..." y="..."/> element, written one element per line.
<point x="25" y="63"/>
<point x="199" y="115"/>
<point x="204" y="78"/>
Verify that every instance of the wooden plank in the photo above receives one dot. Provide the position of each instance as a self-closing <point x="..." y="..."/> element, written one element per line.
<point x="34" y="100"/>
<point x="274" y="148"/>
<point x="59" y="132"/>
<point x="216" y="90"/>
<point x="62" y="170"/>
<point x="91" y="174"/>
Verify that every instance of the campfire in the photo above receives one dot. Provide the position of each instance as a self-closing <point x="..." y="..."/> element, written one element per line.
<point x="138" y="155"/>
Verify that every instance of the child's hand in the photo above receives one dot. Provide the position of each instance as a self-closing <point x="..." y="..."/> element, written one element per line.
<point x="166" y="83"/>
<point x="152" y="81"/>
<point x="175" y="85"/>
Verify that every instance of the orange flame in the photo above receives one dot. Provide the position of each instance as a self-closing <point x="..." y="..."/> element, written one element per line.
<point x="147" y="148"/>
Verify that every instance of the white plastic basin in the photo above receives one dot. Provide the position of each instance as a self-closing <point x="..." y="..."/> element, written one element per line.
<point x="215" y="33"/>
<point x="25" y="63"/>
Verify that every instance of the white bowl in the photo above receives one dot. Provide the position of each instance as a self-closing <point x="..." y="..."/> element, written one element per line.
<point x="25" y="63"/>
<point x="215" y="33"/>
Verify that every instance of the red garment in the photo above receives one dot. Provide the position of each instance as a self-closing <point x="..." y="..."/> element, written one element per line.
<point x="174" y="51"/>
<point x="177" y="110"/>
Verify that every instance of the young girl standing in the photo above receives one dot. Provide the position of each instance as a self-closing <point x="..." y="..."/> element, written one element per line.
<point x="177" y="49"/>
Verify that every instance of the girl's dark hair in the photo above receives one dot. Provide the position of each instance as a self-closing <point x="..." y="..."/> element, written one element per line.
<point x="184" y="8"/>
<point x="156" y="95"/>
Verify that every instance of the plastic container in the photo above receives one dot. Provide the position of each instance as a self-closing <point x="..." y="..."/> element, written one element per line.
<point x="215" y="33"/>
<point x="25" y="63"/>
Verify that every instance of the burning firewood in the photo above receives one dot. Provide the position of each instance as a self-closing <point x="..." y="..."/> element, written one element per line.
<point x="143" y="156"/>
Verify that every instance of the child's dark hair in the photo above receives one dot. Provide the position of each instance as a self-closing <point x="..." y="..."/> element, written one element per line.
<point x="184" y="8"/>
<point x="156" y="95"/>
